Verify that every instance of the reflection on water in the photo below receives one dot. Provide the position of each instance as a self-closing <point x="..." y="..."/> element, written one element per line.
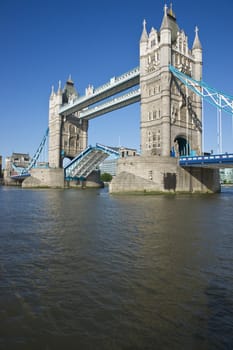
<point x="87" y="270"/>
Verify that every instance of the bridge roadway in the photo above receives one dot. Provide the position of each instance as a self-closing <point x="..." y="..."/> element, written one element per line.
<point x="88" y="160"/>
<point x="113" y="87"/>
<point x="215" y="161"/>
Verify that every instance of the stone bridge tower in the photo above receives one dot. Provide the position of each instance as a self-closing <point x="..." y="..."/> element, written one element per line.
<point x="67" y="135"/>
<point x="171" y="115"/>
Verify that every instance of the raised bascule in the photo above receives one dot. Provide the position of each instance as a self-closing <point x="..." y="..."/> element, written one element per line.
<point x="171" y="121"/>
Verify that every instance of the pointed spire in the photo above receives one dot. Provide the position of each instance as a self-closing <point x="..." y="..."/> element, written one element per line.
<point x="144" y="36"/>
<point x="164" y="24"/>
<point x="52" y="90"/>
<point x="196" y="43"/>
<point x="171" y="12"/>
<point x="59" y="91"/>
<point x="52" y="95"/>
<point x="70" y="81"/>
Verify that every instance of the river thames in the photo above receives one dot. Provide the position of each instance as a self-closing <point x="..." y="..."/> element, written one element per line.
<point x="82" y="269"/>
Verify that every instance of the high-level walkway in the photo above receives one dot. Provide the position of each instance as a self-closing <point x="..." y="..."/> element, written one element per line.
<point x="113" y="87"/>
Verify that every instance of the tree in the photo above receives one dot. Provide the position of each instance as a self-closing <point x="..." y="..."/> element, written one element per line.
<point x="106" y="177"/>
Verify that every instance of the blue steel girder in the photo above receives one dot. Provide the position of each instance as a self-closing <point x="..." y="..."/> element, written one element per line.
<point x="218" y="99"/>
<point x="114" y="86"/>
<point x="25" y="171"/>
<point x="94" y="160"/>
<point x="87" y="161"/>
<point x="37" y="154"/>
<point x="108" y="150"/>
<point x="73" y="163"/>
<point x="216" y="161"/>
<point x="20" y="176"/>
<point x="87" y="164"/>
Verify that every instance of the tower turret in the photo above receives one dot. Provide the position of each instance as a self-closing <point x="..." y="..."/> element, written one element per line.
<point x="197" y="55"/>
<point x="168" y="35"/>
<point x="143" y="46"/>
<point x="55" y="121"/>
<point x="144" y="36"/>
<point x="69" y="92"/>
<point x="197" y="75"/>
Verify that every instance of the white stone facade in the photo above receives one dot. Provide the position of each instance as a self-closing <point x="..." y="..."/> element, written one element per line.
<point x="169" y="111"/>
<point x="67" y="135"/>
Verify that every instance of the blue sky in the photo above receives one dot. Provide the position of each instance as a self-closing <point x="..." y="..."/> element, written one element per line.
<point x="44" y="41"/>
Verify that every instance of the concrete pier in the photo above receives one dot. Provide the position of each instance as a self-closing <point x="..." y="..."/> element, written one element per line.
<point x="162" y="175"/>
<point x="54" y="178"/>
<point x="45" y="178"/>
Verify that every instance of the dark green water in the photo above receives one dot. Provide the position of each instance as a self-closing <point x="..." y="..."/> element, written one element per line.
<point x="87" y="270"/>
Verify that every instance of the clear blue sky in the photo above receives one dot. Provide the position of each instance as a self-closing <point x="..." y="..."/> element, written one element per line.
<point x="43" y="41"/>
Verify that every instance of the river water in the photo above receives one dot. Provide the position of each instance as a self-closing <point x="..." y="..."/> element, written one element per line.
<point x="82" y="269"/>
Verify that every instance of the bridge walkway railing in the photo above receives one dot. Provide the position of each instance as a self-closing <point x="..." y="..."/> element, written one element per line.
<point x="212" y="160"/>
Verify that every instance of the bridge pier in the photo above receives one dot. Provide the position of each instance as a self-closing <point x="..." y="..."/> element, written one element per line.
<point x="54" y="178"/>
<point x="92" y="181"/>
<point x="162" y="175"/>
<point x="45" y="178"/>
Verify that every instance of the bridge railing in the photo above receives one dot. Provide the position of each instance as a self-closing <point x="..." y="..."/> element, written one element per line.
<point x="108" y="150"/>
<point x="213" y="158"/>
<point x="115" y="80"/>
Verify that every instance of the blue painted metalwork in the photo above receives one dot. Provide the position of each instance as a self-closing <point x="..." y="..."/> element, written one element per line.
<point x="87" y="161"/>
<point x="211" y="95"/>
<point x="108" y="150"/>
<point x="213" y="160"/>
<point x="24" y="172"/>
<point x="20" y="176"/>
<point x="38" y="151"/>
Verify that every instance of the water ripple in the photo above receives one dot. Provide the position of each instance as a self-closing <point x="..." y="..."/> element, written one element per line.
<point x="86" y="270"/>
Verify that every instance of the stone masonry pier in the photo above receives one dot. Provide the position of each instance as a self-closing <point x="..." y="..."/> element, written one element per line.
<point x="162" y="174"/>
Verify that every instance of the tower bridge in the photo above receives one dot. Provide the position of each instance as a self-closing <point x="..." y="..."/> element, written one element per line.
<point x="168" y="84"/>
